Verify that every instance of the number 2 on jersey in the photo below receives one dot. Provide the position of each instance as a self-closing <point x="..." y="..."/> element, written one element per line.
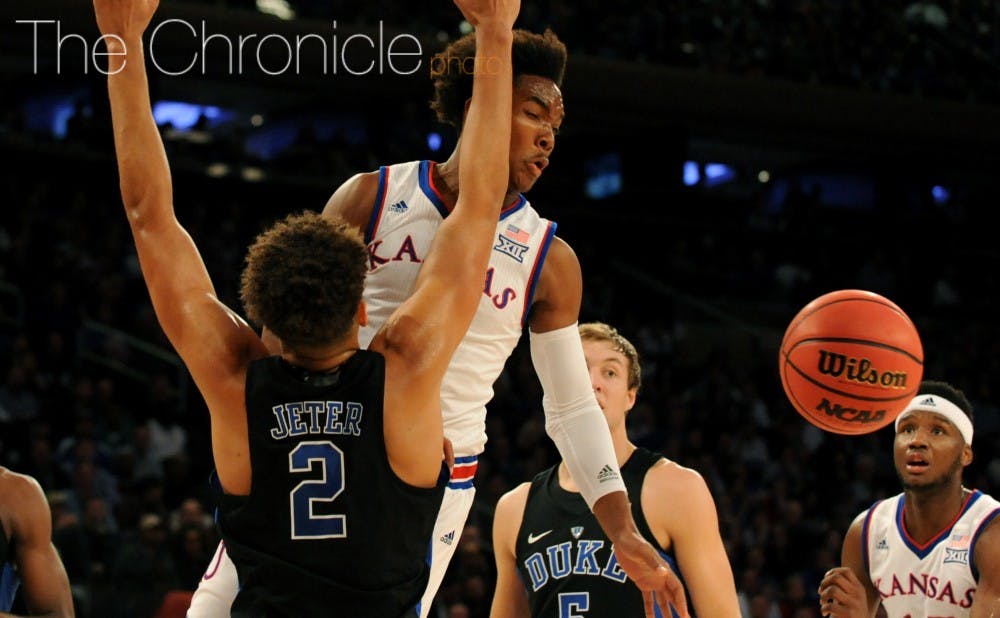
<point x="305" y="523"/>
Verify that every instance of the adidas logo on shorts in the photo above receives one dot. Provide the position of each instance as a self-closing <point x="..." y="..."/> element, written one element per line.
<point x="449" y="538"/>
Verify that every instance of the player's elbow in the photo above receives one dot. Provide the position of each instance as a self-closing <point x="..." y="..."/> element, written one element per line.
<point x="558" y="416"/>
<point x="145" y="210"/>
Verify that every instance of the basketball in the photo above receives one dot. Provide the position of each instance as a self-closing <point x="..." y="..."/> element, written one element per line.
<point x="850" y="361"/>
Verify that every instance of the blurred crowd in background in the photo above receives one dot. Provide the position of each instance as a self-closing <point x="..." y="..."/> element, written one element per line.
<point x="94" y="404"/>
<point x="929" y="48"/>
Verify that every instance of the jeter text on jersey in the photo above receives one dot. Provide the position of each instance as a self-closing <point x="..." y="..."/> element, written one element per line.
<point x="317" y="417"/>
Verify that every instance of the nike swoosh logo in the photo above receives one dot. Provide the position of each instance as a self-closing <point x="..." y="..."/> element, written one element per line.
<point x="534" y="537"/>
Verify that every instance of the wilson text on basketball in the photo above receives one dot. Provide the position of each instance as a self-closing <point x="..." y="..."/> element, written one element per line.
<point x="858" y="370"/>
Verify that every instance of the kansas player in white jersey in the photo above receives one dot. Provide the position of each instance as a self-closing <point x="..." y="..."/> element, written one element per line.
<point x="933" y="550"/>
<point x="407" y="213"/>
<point x="534" y="279"/>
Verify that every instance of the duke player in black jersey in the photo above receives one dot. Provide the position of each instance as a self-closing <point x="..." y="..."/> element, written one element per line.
<point x="554" y="560"/>
<point x="328" y="458"/>
<point x="30" y="567"/>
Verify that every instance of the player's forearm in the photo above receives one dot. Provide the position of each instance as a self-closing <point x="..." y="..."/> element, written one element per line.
<point x="483" y="166"/>
<point x="144" y="174"/>
<point x="573" y="419"/>
<point x="614" y="512"/>
<point x="483" y="173"/>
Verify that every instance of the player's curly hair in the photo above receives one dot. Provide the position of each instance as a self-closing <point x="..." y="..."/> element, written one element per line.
<point x="303" y="279"/>
<point x="599" y="331"/>
<point x="947" y="391"/>
<point x="543" y="55"/>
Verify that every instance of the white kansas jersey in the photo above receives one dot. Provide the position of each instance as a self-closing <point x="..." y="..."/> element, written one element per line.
<point x="937" y="578"/>
<point x="408" y="210"/>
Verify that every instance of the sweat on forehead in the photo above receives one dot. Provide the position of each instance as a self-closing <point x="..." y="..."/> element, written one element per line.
<point x="542" y="90"/>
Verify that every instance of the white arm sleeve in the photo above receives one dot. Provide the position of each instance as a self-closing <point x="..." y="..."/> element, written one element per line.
<point x="573" y="419"/>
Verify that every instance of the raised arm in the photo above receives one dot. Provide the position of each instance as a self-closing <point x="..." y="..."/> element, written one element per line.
<point x="987" y="556"/>
<point x="420" y="337"/>
<point x="44" y="584"/>
<point x="574" y="421"/>
<point x="209" y="337"/>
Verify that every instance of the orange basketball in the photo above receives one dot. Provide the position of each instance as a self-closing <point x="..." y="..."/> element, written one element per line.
<point x="850" y="361"/>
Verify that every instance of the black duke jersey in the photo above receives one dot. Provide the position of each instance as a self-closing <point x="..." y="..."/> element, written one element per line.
<point x="328" y="528"/>
<point x="564" y="558"/>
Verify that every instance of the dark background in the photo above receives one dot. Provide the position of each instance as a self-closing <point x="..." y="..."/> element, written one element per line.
<point x="721" y="164"/>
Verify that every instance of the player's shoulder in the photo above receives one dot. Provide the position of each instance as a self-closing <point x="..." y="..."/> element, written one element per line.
<point x="513" y="500"/>
<point x="16" y="482"/>
<point x="988" y="499"/>
<point x="561" y="261"/>
<point x="885" y="507"/>
<point x="21" y="490"/>
<point x="860" y="520"/>
<point x="666" y="473"/>
<point x="991" y="530"/>
<point x="354" y="199"/>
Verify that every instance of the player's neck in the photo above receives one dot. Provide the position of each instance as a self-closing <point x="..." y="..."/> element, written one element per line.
<point x="927" y="513"/>
<point x="320" y="360"/>
<point x="445" y="177"/>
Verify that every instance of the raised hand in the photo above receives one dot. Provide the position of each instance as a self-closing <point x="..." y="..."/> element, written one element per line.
<point x="126" y="19"/>
<point x="650" y="573"/>
<point x="503" y="12"/>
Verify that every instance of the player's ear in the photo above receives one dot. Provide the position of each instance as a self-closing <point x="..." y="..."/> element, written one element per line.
<point x="362" y="314"/>
<point x="966" y="455"/>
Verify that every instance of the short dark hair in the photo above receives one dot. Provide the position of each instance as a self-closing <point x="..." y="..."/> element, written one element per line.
<point x="303" y="279"/>
<point x="543" y="55"/>
<point x="947" y="391"/>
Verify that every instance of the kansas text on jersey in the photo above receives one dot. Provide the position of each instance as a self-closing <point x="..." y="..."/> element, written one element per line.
<point x="937" y="578"/>
<point x="407" y="213"/>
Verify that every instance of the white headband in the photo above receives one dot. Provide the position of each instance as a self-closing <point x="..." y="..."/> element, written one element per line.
<point x="940" y="405"/>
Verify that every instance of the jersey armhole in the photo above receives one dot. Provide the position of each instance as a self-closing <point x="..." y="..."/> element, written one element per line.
<point x="975" y="537"/>
<point x="536" y="270"/>
<point x="376" y="217"/>
<point x="865" y="531"/>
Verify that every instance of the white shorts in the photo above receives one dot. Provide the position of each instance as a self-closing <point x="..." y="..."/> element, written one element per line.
<point x="217" y="588"/>
<point x="455" y="507"/>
